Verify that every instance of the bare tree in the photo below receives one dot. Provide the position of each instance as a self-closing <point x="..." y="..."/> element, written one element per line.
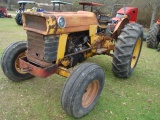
<point x="9" y="4"/>
<point x="154" y="12"/>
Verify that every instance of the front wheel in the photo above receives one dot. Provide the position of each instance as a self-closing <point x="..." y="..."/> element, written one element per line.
<point x="10" y="62"/>
<point x="127" y="50"/>
<point x="82" y="89"/>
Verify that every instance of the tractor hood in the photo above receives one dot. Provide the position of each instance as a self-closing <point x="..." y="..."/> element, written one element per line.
<point x="48" y="23"/>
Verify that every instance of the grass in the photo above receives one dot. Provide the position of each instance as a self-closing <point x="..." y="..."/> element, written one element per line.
<point x="135" y="98"/>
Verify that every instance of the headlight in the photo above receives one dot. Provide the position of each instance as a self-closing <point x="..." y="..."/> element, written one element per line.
<point x="61" y="22"/>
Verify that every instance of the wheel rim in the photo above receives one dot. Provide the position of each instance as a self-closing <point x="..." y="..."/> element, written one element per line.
<point x="17" y="66"/>
<point x="90" y="93"/>
<point x="136" y="52"/>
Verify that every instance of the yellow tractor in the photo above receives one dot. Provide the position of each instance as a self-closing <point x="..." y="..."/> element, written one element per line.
<point x="57" y="41"/>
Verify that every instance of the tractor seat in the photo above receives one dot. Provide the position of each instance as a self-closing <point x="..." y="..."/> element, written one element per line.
<point x="104" y="20"/>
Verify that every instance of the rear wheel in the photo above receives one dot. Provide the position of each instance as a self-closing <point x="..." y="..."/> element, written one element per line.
<point x="10" y="62"/>
<point x="1" y="14"/>
<point x="158" y="40"/>
<point x="127" y="50"/>
<point x="151" y="39"/>
<point x="18" y="19"/>
<point x="82" y="89"/>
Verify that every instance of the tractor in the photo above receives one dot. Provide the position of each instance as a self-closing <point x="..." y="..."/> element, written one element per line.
<point x="130" y="12"/>
<point x="153" y="36"/>
<point x="22" y="9"/>
<point x="57" y="42"/>
<point x="125" y="12"/>
<point x="3" y="13"/>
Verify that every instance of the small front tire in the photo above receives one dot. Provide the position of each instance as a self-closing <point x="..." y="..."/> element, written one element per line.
<point x="82" y="89"/>
<point x="10" y="62"/>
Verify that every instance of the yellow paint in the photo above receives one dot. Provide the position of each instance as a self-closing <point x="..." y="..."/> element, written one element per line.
<point x="107" y="44"/>
<point x="17" y="64"/>
<point x="92" y="32"/>
<point x="63" y="72"/>
<point x="136" y="52"/>
<point x="61" y="47"/>
<point x="96" y="38"/>
<point x="65" y="62"/>
<point x="60" y="30"/>
<point x="88" y="54"/>
<point x="93" y="39"/>
<point x="50" y="22"/>
<point x="94" y="50"/>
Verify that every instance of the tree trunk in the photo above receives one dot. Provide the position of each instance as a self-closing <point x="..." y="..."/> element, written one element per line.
<point x="154" y="12"/>
<point x="8" y="4"/>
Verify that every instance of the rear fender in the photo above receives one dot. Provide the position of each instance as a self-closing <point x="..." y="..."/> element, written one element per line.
<point x="120" y="25"/>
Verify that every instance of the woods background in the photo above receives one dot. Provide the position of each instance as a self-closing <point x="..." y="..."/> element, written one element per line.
<point x="148" y="9"/>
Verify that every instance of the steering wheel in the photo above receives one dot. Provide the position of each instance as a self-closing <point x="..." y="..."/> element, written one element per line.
<point x="102" y="17"/>
<point x="97" y="13"/>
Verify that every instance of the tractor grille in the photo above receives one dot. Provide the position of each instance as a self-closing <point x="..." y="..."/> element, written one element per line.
<point x="41" y="49"/>
<point x="37" y="23"/>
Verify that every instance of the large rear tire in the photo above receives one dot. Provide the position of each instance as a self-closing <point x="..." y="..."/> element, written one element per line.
<point x="18" y="19"/>
<point x="10" y="62"/>
<point x="151" y="39"/>
<point x="82" y="89"/>
<point x="127" y="50"/>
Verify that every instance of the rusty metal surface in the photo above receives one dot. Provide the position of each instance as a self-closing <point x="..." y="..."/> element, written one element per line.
<point x="36" y="70"/>
<point x="102" y="44"/>
<point x="40" y="48"/>
<point x="31" y="21"/>
<point x="35" y="45"/>
<point x="46" y="23"/>
<point x="38" y="62"/>
<point x="119" y="27"/>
